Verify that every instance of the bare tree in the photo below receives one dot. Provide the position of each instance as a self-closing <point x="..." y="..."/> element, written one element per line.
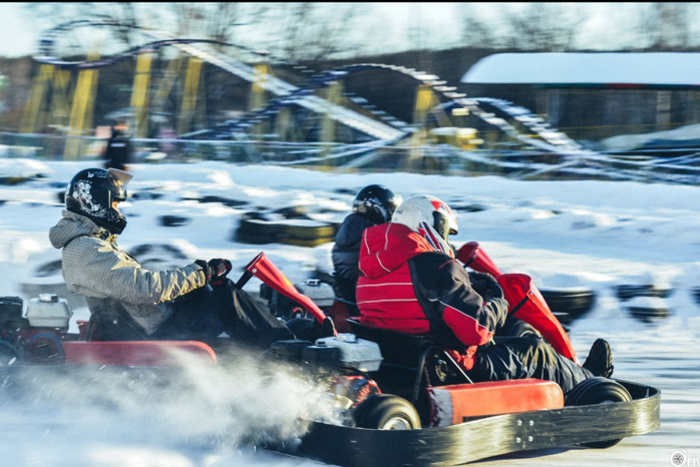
<point x="218" y="21"/>
<point x="310" y="30"/>
<point x="544" y="26"/>
<point x="476" y="32"/>
<point x="667" y="25"/>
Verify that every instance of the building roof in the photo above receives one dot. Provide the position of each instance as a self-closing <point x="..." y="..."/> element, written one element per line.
<point x="602" y="69"/>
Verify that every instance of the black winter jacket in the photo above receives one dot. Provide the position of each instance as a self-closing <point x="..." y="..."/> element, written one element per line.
<point x="346" y="255"/>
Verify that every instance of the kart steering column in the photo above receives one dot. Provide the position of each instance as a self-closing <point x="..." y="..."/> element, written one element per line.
<point x="524" y="299"/>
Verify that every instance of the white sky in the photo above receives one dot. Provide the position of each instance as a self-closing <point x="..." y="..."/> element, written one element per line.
<point x="399" y="26"/>
<point x="18" y="33"/>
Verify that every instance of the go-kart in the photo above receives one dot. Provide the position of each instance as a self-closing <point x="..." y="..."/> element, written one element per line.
<point x="400" y="399"/>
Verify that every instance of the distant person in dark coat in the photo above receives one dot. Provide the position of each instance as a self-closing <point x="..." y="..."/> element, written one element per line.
<point x="118" y="151"/>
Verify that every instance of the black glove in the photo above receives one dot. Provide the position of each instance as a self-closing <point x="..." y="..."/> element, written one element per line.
<point x="215" y="270"/>
<point x="485" y="285"/>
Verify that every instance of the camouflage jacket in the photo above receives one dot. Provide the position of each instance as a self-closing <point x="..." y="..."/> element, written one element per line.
<point x="111" y="280"/>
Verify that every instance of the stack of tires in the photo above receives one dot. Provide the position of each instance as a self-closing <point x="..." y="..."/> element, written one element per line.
<point x="645" y="302"/>
<point x="568" y="304"/>
<point x="291" y="226"/>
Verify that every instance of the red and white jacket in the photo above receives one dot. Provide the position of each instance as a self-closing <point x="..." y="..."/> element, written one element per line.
<point x="409" y="287"/>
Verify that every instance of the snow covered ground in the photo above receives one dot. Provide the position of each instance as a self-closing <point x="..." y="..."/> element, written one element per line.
<point x="566" y="234"/>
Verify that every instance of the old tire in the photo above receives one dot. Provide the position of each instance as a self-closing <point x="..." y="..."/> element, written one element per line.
<point x="9" y="354"/>
<point x="569" y="304"/>
<point x="598" y="390"/>
<point x="386" y="412"/>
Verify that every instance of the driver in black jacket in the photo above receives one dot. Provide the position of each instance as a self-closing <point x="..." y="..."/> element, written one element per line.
<point x="373" y="205"/>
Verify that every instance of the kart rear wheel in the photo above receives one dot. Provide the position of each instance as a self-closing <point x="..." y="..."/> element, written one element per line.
<point x="386" y="412"/>
<point x="598" y="390"/>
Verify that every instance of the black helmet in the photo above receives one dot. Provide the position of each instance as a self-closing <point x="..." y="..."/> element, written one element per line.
<point x="91" y="193"/>
<point x="376" y="203"/>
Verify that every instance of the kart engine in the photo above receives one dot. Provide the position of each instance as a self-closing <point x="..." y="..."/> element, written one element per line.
<point x="341" y="351"/>
<point x="37" y="337"/>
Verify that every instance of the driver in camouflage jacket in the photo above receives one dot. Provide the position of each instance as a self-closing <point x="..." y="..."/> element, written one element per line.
<point x="113" y="282"/>
<point x="130" y="302"/>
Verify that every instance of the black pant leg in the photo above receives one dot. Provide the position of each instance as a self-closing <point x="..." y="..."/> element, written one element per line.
<point x="198" y="318"/>
<point x="249" y="322"/>
<point x="224" y="308"/>
<point x="526" y="357"/>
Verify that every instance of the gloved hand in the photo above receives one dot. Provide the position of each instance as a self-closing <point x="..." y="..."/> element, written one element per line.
<point x="485" y="285"/>
<point x="215" y="270"/>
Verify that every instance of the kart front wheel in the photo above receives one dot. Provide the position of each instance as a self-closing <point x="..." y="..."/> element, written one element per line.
<point x="598" y="390"/>
<point x="386" y="412"/>
<point x="9" y="355"/>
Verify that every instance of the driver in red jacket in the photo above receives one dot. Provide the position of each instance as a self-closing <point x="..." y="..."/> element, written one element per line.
<point x="412" y="283"/>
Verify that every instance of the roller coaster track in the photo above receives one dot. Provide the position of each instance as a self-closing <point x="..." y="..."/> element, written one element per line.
<point x="201" y="49"/>
<point x="517" y="122"/>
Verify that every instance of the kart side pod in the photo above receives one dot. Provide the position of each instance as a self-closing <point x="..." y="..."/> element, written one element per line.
<point x="451" y="405"/>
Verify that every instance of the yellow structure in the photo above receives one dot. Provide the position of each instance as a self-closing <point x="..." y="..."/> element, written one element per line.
<point x="425" y="102"/>
<point x="36" y="98"/>
<point x="258" y="97"/>
<point x="82" y="109"/>
<point x="140" y="94"/>
<point x="328" y="124"/>
<point x="189" y="98"/>
<point x="462" y="138"/>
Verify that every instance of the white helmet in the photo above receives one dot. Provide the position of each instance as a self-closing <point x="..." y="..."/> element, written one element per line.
<point x="430" y="217"/>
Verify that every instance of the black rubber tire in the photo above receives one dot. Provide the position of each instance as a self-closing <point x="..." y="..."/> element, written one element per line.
<point x="648" y="314"/>
<point x="254" y="228"/>
<point x="696" y="294"/>
<point x="626" y="292"/>
<point x="9" y="354"/>
<point x="44" y="348"/>
<point x="386" y="412"/>
<point x="567" y="305"/>
<point x="173" y="221"/>
<point x="598" y="390"/>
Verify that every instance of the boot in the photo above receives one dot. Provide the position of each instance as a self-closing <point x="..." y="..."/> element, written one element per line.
<point x="599" y="361"/>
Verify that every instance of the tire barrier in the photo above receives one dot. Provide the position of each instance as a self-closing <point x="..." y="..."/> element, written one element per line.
<point x="13" y="180"/>
<point x="644" y="302"/>
<point x="173" y="221"/>
<point x="291" y="226"/>
<point x="231" y="203"/>
<point x="647" y="309"/>
<point x="569" y="304"/>
<point x="157" y="256"/>
<point x="695" y="292"/>
<point x="626" y="292"/>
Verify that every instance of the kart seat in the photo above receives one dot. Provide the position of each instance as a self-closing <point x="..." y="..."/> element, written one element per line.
<point x="397" y="348"/>
<point x="417" y="359"/>
<point x="111" y="325"/>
